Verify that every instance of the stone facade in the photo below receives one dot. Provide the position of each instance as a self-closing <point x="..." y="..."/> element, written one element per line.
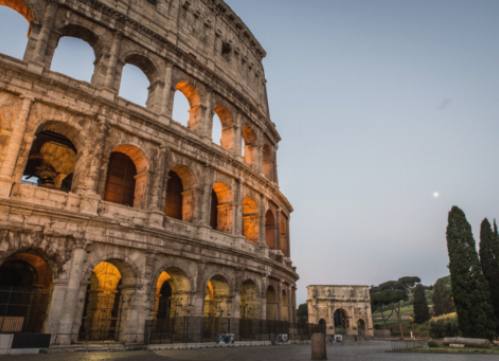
<point x="227" y="252"/>
<point x="346" y="310"/>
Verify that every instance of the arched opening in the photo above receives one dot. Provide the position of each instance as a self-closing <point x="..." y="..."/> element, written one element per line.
<point x="223" y="131"/>
<point x="361" y="328"/>
<point x="249" y="145"/>
<point x="120" y="185"/>
<point x="340" y="322"/>
<point x="179" y="194"/>
<point x="126" y="176"/>
<point x="172" y="295"/>
<point x="272" y="304"/>
<point x="216" y="132"/>
<point x="250" y="220"/>
<point x="270" y="229"/>
<point x="221" y="207"/>
<point x="284" y="234"/>
<point x="51" y="161"/>
<point x="268" y="162"/>
<point x="250" y="310"/>
<point x="14" y="14"/>
<point x="25" y="289"/>
<point x="74" y="57"/>
<point x="322" y="325"/>
<point x="174" y="196"/>
<point x="137" y="80"/>
<point x="250" y="305"/>
<point x="216" y="308"/>
<point x="217" y="298"/>
<point x="134" y="85"/>
<point x="107" y="300"/>
<point x="284" y="306"/>
<point x="186" y="105"/>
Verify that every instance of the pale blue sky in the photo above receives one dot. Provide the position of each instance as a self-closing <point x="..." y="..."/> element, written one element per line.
<point x="380" y="104"/>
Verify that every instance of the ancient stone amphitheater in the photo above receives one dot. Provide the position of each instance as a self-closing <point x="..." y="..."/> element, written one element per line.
<point x="116" y="221"/>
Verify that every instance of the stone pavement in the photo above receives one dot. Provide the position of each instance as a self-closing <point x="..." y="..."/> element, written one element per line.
<point x="374" y="351"/>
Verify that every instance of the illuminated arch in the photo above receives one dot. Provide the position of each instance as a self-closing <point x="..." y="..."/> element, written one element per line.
<point x="226" y="127"/>
<point x="249" y="146"/>
<point x="251" y="229"/>
<point x="221" y="207"/>
<point x="20" y="6"/>
<point x="179" y="201"/>
<point x="189" y="92"/>
<point x="270" y="229"/>
<point x="25" y="289"/>
<point x="127" y="176"/>
<point x="217" y="300"/>
<point x="272" y="303"/>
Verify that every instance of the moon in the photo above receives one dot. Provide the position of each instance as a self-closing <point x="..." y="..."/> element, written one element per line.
<point x="436" y="195"/>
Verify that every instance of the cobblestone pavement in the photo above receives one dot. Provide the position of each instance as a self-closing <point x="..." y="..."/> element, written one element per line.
<point x="374" y="351"/>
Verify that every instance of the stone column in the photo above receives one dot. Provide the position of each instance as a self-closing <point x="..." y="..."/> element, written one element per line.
<point x="158" y="184"/>
<point x="237" y="146"/>
<point x="69" y="306"/>
<point x="167" y="94"/>
<point x="278" y="229"/>
<point x="204" y="199"/>
<point x="105" y="80"/>
<point x="261" y="224"/>
<point x="36" y="50"/>
<point x="205" y="122"/>
<point x="238" y="208"/>
<point x="13" y="148"/>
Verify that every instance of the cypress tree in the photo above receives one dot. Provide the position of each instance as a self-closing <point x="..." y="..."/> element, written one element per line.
<point x="421" y="311"/>
<point x="469" y="286"/>
<point x="443" y="302"/>
<point x="489" y="246"/>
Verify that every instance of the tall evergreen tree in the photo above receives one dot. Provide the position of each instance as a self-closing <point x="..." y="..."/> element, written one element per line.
<point x="469" y="286"/>
<point x="421" y="311"/>
<point x="443" y="302"/>
<point x="489" y="257"/>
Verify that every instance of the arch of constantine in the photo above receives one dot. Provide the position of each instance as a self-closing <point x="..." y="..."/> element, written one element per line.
<point x="114" y="215"/>
<point x="345" y="310"/>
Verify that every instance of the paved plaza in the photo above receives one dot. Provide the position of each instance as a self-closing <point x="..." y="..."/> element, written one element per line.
<point x="375" y="351"/>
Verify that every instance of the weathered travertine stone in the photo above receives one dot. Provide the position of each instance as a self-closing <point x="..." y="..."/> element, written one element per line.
<point x="201" y="48"/>
<point x="350" y="304"/>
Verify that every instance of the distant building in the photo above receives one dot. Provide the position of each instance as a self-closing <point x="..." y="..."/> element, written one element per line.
<point x="346" y="310"/>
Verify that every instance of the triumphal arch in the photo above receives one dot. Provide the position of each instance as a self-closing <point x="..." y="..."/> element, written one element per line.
<point x="344" y="310"/>
<point x="119" y="222"/>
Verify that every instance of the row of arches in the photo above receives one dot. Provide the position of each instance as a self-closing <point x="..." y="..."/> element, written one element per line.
<point x="110" y="297"/>
<point x="54" y="159"/>
<point x="78" y="52"/>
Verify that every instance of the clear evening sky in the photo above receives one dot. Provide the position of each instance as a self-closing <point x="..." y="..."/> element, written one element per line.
<point x="380" y="105"/>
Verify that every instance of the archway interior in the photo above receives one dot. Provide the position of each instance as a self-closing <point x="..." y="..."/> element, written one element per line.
<point x="340" y="321"/>
<point x="250" y="220"/>
<point x="121" y="180"/>
<point x="14" y="14"/>
<point x="172" y="295"/>
<point x="272" y="304"/>
<point x="25" y="287"/>
<point x="250" y="306"/>
<point x="134" y="85"/>
<point x="174" y="196"/>
<point x="217" y="298"/>
<point x="221" y="207"/>
<point x="103" y="304"/>
<point x="51" y="161"/>
<point x="75" y="58"/>
<point x="186" y="105"/>
<point x="361" y="327"/>
<point x="284" y="306"/>
<point x="270" y="230"/>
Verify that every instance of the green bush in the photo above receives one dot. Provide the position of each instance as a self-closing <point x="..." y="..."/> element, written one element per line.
<point x="444" y="328"/>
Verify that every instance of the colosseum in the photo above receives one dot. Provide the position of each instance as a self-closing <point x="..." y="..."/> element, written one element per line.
<point x="118" y="222"/>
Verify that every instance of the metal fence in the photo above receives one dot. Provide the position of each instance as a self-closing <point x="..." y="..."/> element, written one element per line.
<point x="22" y="310"/>
<point x="210" y="329"/>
